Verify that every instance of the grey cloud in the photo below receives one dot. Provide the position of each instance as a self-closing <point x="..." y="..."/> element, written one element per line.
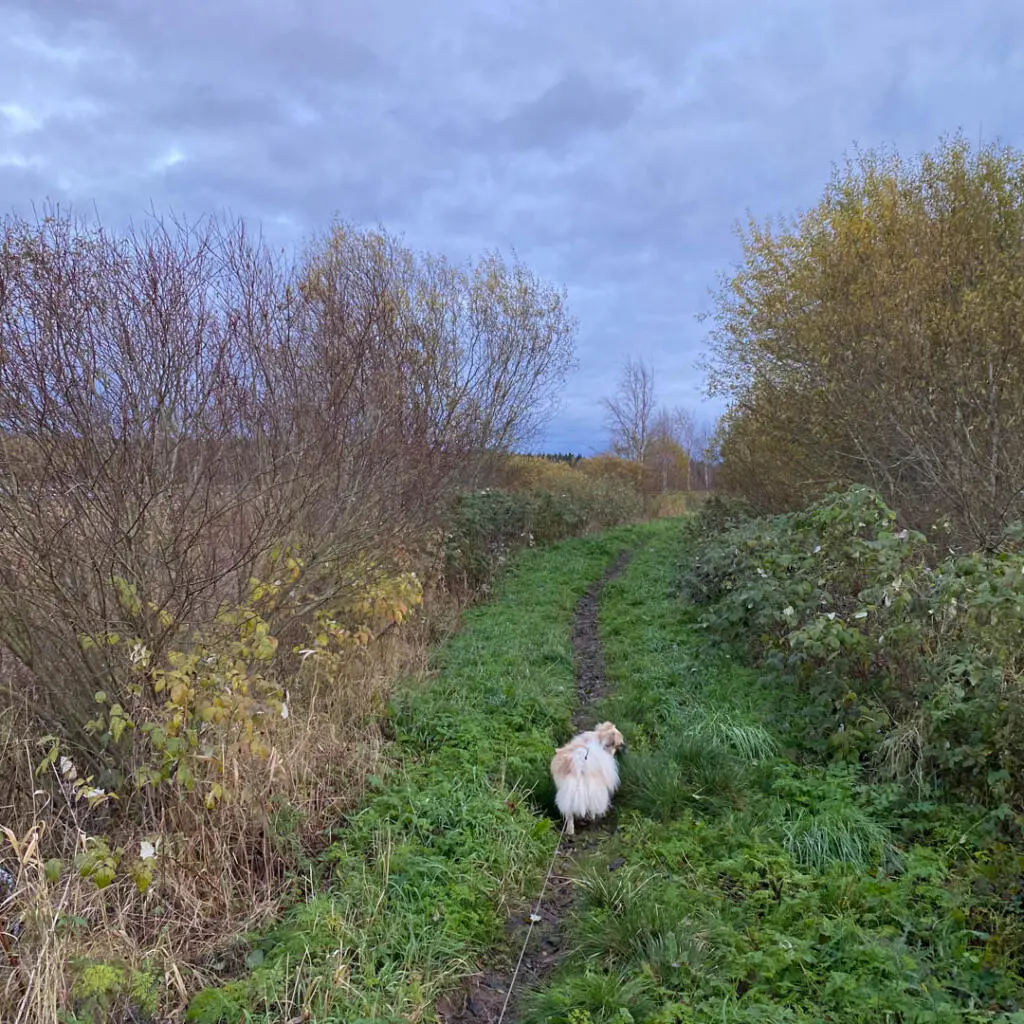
<point x="199" y="108"/>
<point x="29" y="182"/>
<point x="612" y="145"/>
<point x="574" y="106"/>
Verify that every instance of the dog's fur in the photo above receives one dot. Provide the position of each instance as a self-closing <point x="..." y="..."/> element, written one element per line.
<point x="586" y="775"/>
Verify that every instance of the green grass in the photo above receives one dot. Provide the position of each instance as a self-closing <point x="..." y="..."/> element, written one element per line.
<point x="759" y="889"/>
<point x="415" y="890"/>
<point x="747" y="886"/>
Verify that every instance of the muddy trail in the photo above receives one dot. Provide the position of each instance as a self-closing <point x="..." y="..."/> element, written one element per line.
<point x="481" y="1001"/>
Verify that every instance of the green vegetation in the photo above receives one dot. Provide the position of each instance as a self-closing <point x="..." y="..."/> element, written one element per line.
<point x="774" y="859"/>
<point x="418" y="883"/>
<point x="487" y="526"/>
<point x="819" y="818"/>
<point x="104" y="991"/>
<point x="758" y="874"/>
<point x="907" y="665"/>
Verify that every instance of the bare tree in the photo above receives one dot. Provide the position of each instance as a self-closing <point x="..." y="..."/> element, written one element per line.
<point x="477" y="355"/>
<point x="630" y="411"/>
<point x="176" y="403"/>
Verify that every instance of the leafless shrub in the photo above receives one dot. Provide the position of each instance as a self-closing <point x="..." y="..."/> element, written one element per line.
<point x="179" y="406"/>
<point x="175" y="401"/>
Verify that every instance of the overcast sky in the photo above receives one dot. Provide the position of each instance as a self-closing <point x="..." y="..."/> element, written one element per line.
<point x="614" y="145"/>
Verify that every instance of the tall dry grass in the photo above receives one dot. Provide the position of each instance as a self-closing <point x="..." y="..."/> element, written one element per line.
<point x="219" y="871"/>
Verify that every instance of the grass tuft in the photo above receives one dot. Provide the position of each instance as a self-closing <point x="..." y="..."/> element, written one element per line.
<point x="838" y="834"/>
<point x="592" y="997"/>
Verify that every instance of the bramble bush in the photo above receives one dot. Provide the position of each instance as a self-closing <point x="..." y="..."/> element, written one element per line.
<point x="906" y="662"/>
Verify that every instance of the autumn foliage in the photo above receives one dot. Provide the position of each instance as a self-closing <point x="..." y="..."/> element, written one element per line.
<point x="875" y="338"/>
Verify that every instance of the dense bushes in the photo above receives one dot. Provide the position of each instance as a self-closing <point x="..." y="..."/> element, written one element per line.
<point x="544" y="501"/>
<point x="909" y="665"/>
<point x="223" y="482"/>
<point x="228" y="757"/>
<point x="176" y="403"/>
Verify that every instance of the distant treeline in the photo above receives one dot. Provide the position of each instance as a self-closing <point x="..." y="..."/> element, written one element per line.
<point x="568" y="457"/>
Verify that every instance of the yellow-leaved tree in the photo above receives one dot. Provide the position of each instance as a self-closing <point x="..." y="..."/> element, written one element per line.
<point x="876" y="338"/>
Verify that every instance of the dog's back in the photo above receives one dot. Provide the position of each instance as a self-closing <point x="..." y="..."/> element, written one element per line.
<point x="586" y="776"/>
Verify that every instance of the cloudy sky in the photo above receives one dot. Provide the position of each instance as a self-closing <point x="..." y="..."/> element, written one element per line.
<point x="614" y="145"/>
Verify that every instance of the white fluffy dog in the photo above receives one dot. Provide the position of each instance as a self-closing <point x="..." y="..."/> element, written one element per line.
<point x="586" y="774"/>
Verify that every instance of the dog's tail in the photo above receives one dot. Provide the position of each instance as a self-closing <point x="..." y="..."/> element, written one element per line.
<point x="580" y="757"/>
<point x="584" y="792"/>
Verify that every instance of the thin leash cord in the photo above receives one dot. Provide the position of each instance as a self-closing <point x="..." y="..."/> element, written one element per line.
<point x="534" y="918"/>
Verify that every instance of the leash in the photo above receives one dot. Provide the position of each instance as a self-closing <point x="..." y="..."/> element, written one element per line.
<point x="534" y="919"/>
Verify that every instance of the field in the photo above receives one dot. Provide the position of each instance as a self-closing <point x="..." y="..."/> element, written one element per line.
<point x="743" y="876"/>
<point x="291" y="624"/>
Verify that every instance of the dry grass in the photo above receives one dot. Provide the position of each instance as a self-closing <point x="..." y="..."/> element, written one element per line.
<point x="220" y="871"/>
<point x="673" y="504"/>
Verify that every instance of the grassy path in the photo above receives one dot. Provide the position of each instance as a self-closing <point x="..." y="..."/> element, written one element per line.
<point x="546" y="943"/>
<point x="416" y="892"/>
<point x="733" y="882"/>
<point x="740" y="886"/>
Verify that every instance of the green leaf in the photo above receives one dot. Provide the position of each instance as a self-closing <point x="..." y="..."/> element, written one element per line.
<point x="103" y="875"/>
<point x="118" y="722"/>
<point x="184" y="777"/>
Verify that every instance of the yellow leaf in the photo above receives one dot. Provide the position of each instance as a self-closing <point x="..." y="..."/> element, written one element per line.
<point x="142" y="876"/>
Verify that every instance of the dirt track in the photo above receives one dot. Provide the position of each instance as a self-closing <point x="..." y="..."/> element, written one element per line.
<point x="481" y="1000"/>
